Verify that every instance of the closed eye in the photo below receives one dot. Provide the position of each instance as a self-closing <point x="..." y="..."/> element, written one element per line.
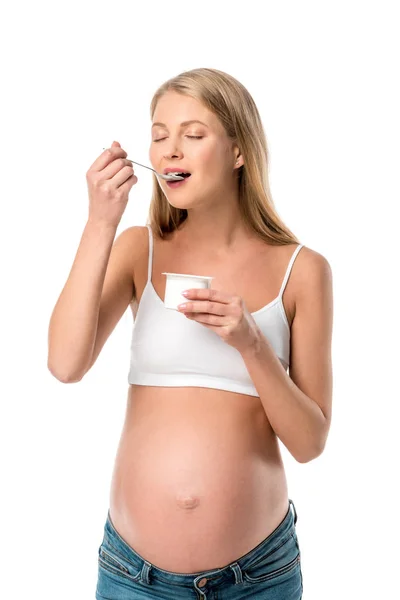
<point x="193" y="137"/>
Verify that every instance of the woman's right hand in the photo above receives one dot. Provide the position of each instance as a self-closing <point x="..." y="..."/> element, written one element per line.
<point x="109" y="181"/>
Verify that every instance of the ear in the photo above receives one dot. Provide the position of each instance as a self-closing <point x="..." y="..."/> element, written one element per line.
<point x="238" y="158"/>
<point x="239" y="162"/>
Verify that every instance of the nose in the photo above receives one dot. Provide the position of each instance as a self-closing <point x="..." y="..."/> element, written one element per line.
<point x="171" y="150"/>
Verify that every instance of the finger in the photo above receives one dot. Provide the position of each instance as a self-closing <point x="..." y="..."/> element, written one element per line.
<point x="115" y="168"/>
<point x="107" y="157"/>
<point x="205" y="306"/>
<point x="215" y="328"/>
<point x="207" y="319"/>
<point x="209" y="294"/>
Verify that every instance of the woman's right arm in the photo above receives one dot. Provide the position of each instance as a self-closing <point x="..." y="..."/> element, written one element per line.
<point x="101" y="276"/>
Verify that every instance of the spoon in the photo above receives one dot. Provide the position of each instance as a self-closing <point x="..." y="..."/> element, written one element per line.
<point x="168" y="177"/>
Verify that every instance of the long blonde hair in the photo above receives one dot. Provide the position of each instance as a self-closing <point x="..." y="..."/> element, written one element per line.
<point x="230" y="101"/>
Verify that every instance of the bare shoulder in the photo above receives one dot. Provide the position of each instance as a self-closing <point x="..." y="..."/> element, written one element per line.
<point x="312" y="271"/>
<point x="135" y="239"/>
<point x="134" y="234"/>
<point x="312" y="264"/>
<point x="312" y="291"/>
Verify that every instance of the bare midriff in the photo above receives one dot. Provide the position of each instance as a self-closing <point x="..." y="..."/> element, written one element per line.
<point x="198" y="479"/>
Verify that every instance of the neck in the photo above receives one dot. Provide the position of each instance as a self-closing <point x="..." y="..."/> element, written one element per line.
<point x="218" y="226"/>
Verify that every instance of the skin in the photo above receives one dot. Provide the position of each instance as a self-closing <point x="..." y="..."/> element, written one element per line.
<point x="198" y="478"/>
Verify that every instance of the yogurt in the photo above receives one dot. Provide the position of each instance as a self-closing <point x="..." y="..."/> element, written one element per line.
<point x="178" y="283"/>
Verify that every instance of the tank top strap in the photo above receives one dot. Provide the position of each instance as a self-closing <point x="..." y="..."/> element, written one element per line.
<point x="289" y="268"/>
<point x="150" y="259"/>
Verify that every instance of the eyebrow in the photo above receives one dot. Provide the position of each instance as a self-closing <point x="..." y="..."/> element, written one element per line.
<point x="182" y="124"/>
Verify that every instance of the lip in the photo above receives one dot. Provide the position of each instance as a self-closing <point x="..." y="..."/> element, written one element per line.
<point x="175" y="170"/>
<point x="176" y="184"/>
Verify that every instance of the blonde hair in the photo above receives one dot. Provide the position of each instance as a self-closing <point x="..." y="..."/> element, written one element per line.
<point x="230" y="101"/>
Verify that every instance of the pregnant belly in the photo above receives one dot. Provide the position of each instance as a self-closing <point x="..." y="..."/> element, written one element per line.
<point x="196" y="488"/>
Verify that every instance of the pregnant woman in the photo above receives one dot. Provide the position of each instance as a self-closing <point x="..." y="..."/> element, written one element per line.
<point x="199" y="505"/>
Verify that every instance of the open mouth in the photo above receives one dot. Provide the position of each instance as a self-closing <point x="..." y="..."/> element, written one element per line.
<point x="178" y="182"/>
<point x="180" y="174"/>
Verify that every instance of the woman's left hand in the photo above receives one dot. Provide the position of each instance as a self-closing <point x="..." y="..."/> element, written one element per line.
<point x="223" y="313"/>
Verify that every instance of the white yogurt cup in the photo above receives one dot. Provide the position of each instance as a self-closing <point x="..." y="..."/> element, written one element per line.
<point x="178" y="283"/>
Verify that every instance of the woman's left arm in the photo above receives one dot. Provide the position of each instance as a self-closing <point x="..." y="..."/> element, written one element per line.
<point x="299" y="406"/>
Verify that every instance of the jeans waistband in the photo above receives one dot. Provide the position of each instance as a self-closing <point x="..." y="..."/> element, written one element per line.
<point x="275" y="539"/>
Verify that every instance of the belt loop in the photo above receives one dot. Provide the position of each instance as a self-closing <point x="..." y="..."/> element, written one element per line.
<point x="294" y="509"/>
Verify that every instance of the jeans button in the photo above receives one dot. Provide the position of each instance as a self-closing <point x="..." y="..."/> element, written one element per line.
<point x="203" y="581"/>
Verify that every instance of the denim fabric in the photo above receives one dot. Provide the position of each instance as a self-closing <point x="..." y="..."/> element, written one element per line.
<point x="271" y="570"/>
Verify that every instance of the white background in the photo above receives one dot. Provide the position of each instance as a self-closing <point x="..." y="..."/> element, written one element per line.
<point x="75" y="77"/>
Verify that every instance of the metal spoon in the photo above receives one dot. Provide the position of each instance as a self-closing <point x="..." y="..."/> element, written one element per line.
<point x="168" y="177"/>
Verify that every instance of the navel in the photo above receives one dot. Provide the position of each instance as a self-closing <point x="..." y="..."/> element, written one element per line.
<point x="186" y="501"/>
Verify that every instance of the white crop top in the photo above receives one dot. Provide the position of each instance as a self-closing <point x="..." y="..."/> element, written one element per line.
<point x="167" y="349"/>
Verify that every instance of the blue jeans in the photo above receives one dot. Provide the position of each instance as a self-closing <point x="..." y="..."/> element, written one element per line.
<point x="271" y="570"/>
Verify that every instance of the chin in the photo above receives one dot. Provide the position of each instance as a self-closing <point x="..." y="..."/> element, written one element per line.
<point x="183" y="204"/>
<point x="180" y="206"/>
